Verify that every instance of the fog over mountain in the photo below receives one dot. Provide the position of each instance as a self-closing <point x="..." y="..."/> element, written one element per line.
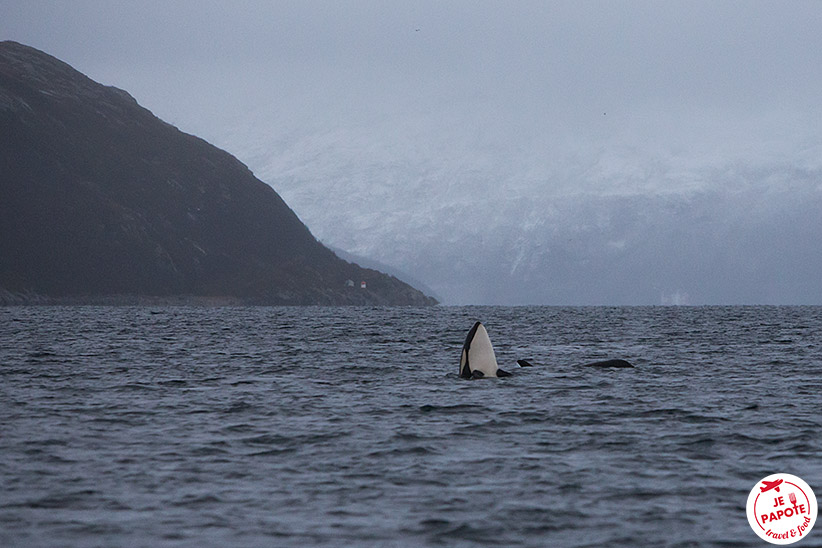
<point x="613" y="220"/>
<point x="549" y="153"/>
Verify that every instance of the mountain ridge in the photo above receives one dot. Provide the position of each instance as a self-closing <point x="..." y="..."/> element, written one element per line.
<point x="101" y="198"/>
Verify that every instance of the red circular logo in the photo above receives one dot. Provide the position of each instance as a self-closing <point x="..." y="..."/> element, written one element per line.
<point x="781" y="509"/>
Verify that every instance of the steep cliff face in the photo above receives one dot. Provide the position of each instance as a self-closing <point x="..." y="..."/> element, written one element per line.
<point x="99" y="197"/>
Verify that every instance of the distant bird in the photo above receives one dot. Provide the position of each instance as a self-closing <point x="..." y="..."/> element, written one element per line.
<point x="416" y="30"/>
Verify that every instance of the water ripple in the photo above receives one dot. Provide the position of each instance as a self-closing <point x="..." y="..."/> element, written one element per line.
<point x="329" y="426"/>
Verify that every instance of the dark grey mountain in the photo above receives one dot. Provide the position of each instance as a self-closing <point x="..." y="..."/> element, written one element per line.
<point x="101" y="199"/>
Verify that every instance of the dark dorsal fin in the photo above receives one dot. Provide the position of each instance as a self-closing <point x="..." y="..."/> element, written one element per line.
<point x="610" y="363"/>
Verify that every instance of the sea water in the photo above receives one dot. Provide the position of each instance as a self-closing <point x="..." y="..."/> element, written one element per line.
<point x="350" y="427"/>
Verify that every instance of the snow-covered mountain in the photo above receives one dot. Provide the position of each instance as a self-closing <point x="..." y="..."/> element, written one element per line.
<point x="601" y="208"/>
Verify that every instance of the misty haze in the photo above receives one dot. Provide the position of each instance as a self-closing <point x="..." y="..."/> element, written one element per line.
<point x="556" y="153"/>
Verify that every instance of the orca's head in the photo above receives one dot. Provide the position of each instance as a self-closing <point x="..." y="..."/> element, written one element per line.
<point x="478" y="358"/>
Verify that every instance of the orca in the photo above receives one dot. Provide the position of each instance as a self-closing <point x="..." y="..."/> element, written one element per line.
<point x="610" y="363"/>
<point x="478" y="359"/>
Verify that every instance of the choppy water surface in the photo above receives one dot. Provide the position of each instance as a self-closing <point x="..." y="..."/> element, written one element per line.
<point x="350" y="427"/>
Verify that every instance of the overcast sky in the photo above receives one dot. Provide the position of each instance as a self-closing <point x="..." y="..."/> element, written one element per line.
<point x="578" y="58"/>
<point x="524" y="89"/>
